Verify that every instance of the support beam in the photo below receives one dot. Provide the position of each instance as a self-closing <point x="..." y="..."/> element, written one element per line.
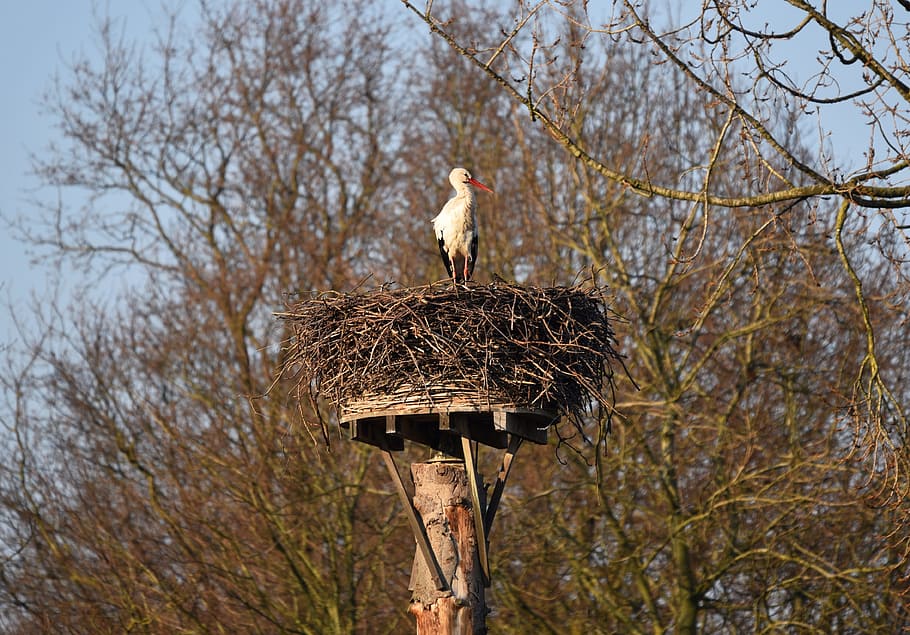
<point x="417" y="526"/>
<point x="479" y="510"/>
<point x="499" y="486"/>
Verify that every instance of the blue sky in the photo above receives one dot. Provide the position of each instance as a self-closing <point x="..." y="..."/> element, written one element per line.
<point x="32" y="36"/>
<point x="37" y="39"/>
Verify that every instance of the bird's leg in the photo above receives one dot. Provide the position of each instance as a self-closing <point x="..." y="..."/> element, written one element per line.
<point x="466" y="261"/>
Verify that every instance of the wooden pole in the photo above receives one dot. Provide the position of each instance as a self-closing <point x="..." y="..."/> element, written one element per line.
<point x="442" y="497"/>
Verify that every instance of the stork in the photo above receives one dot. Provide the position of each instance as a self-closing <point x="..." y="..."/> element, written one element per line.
<point x="456" y="227"/>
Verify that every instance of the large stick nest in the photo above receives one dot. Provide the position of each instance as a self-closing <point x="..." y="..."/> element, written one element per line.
<point x="550" y="348"/>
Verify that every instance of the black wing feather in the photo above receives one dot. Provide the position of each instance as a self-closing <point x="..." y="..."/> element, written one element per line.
<point x="445" y="255"/>
<point x="473" y="256"/>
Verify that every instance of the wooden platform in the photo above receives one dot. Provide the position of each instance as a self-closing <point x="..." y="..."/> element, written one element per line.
<point x="442" y="430"/>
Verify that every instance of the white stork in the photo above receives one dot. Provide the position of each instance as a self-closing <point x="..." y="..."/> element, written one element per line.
<point x="456" y="227"/>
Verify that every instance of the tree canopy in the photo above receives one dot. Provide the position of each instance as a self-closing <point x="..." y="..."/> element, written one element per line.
<point x="154" y="479"/>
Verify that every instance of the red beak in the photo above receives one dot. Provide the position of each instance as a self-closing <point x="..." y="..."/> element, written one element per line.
<point x="477" y="183"/>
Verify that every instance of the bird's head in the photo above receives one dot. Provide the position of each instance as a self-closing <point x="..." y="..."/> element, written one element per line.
<point x="459" y="177"/>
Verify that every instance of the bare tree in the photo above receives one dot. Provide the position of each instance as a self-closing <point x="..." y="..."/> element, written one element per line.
<point x="750" y="311"/>
<point x="726" y="56"/>
<point x="290" y="145"/>
<point x="150" y="487"/>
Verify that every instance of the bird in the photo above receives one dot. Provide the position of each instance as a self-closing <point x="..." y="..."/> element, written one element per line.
<point x="456" y="227"/>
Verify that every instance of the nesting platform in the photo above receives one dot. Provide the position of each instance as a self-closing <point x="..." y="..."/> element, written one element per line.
<point x="440" y="427"/>
<point x="430" y="363"/>
<point x="436" y="416"/>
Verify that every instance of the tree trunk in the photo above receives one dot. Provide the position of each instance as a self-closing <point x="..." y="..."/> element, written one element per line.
<point x="442" y="497"/>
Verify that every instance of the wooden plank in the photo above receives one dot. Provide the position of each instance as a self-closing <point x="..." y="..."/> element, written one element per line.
<point x="359" y="410"/>
<point x="481" y="429"/>
<point x="424" y="429"/>
<point x="477" y="426"/>
<point x="499" y="486"/>
<point x="530" y="426"/>
<point x="420" y="533"/>
<point x="421" y="399"/>
<point x="479" y="510"/>
<point x="373" y="432"/>
<point x="440" y="430"/>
